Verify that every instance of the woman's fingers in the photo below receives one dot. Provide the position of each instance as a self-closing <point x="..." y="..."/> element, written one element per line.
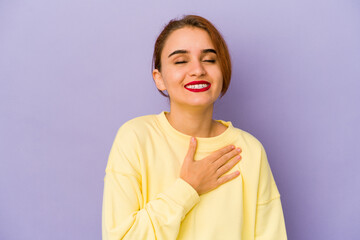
<point x="220" y="153"/>
<point x="229" y="165"/>
<point x="227" y="177"/>
<point x="226" y="157"/>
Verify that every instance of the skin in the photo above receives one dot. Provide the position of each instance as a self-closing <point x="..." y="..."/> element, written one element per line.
<point x="191" y="112"/>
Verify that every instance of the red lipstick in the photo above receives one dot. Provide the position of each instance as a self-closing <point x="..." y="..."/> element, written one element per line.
<point x="203" y="89"/>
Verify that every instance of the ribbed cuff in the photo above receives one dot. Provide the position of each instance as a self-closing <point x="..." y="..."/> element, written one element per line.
<point x="183" y="194"/>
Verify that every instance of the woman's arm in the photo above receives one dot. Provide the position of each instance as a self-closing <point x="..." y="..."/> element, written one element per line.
<point x="270" y="224"/>
<point x="124" y="216"/>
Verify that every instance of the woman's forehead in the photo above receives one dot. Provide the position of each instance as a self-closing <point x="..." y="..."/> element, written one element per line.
<point x="189" y="39"/>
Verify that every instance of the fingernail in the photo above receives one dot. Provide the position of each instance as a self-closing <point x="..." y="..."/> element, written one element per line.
<point x="239" y="149"/>
<point x="193" y="139"/>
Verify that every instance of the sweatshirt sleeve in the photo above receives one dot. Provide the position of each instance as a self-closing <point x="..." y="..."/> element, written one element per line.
<point x="270" y="223"/>
<point x="124" y="215"/>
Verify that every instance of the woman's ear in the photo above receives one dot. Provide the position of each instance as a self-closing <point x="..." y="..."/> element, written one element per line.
<point x="159" y="81"/>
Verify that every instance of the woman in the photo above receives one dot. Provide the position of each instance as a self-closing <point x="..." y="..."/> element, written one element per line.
<point x="181" y="174"/>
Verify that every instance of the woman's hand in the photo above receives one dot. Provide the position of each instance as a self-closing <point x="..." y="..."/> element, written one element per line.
<point x="206" y="174"/>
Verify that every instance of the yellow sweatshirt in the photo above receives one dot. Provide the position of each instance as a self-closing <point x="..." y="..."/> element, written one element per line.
<point x="144" y="198"/>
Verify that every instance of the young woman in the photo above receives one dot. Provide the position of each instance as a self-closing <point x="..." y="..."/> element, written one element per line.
<point x="181" y="174"/>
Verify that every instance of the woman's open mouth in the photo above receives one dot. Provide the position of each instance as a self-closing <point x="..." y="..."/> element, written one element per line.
<point x="198" y="86"/>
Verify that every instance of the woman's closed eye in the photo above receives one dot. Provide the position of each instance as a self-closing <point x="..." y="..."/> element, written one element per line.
<point x="210" y="60"/>
<point x="180" y="62"/>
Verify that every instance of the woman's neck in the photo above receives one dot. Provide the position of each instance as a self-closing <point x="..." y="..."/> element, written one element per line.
<point x="195" y="122"/>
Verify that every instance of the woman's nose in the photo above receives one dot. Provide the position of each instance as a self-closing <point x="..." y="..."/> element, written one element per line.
<point x="197" y="69"/>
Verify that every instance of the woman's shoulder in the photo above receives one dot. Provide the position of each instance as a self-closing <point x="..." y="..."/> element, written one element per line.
<point x="140" y="121"/>
<point x="137" y="125"/>
<point x="247" y="137"/>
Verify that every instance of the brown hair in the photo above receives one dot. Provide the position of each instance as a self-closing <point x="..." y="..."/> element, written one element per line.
<point x="216" y="38"/>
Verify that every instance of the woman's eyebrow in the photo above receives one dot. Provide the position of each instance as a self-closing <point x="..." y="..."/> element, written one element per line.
<point x="209" y="50"/>
<point x="185" y="51"/>
<point x="178" y="52"/>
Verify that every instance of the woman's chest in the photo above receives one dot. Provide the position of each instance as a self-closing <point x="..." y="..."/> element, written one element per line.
<point x="161" y="165"/>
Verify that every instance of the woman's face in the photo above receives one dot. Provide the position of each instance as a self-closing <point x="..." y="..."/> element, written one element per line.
<point x="190" y="71"/>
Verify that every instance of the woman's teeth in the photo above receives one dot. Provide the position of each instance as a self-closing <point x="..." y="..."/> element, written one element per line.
<point x="197" y="86"/>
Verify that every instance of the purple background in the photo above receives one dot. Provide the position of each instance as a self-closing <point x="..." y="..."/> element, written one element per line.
<point x="73" y="71"/>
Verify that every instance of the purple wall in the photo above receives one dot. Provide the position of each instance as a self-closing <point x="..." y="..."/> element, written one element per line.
<point x="71" y="72"/>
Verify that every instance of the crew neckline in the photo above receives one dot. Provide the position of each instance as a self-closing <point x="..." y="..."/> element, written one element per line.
<point x="204" y="143"/>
